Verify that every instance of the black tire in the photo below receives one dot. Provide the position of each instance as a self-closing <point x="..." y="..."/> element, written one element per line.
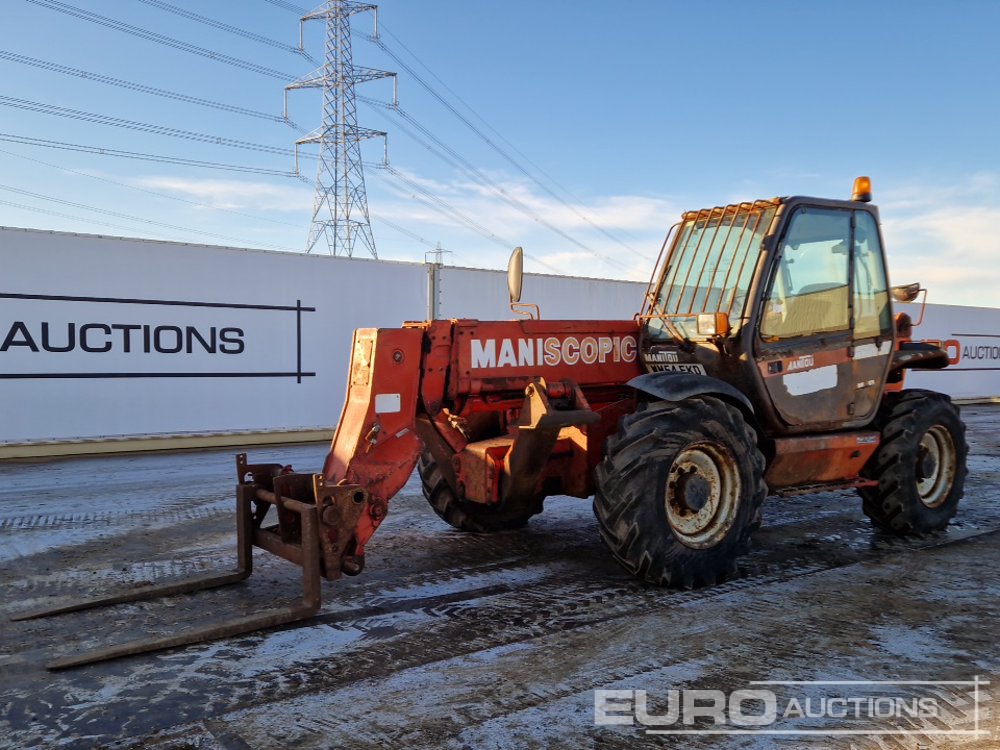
<point x="920" y="465"/>
<point x="649" y="524"/>
<point x="463" y="514"/>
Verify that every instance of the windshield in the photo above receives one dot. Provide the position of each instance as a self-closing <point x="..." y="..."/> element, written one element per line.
<point x="709" y="268"/>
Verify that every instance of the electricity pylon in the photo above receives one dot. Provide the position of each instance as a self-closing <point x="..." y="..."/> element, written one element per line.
<point x="340" y="208"/>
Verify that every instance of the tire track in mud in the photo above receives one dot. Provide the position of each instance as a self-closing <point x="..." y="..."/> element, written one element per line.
<point x="518" y="560"/>
<point x="549" y="601"/>
<point x="444" y="632"/>
<point x="52" y="588"/>
<point x="479" y="594"/>
<point x="271" y="573"/>
<point x="652" y="670"/>
<point x="462" y="554"/>
<point x="84" y="545"/>
<point x="525" y="560"/>
<point x="53" y="521"/>
<point x="374" y="649"/>
<point x="348" y="673"/>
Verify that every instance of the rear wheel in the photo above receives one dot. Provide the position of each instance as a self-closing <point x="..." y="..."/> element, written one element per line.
<point x="919" y="465"/>
<point x="680" y="491"/>
<point x="464" y="514"/>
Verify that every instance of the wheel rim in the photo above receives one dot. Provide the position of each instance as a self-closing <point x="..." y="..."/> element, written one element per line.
<point x="702" y="494"/>
<point x="936" y="461"/>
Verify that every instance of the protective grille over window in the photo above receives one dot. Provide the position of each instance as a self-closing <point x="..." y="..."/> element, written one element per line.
<point x="709" y="267"/>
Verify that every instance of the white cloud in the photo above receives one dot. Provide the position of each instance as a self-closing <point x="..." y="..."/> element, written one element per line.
<point x="616" y="235"/>
<point x="233" y="194"/>
<point x="945" y="236"/>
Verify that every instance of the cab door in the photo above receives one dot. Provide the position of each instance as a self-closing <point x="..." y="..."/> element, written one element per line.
<point x="805" y="339"/>
<point x="871" y="313"/>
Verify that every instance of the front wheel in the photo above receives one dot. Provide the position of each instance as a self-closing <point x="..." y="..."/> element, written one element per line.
<point x="920" y="465"/>
<point x="680" y="491"/>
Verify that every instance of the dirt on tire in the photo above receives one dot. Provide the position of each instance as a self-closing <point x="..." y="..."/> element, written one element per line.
<point x="631" y="486"/>
<point x="908" y="422"/>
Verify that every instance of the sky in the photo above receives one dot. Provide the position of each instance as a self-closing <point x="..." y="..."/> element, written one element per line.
<point x="598" y="124"/>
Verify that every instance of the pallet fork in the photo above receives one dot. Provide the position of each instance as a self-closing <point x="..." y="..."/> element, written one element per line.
<point x="295" y="537"/>
<point x="323" y="520"/>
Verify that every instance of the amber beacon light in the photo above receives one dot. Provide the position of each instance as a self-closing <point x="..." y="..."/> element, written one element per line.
<point x="862" y="190"/>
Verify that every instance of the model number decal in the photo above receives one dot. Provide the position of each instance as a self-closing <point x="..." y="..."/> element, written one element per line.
<point x="552" y="351"/>
<point x="693" y="369"/>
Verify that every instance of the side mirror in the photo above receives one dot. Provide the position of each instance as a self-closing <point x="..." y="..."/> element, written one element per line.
<point x="515" y="274"/>
<point x="905" y="292"/>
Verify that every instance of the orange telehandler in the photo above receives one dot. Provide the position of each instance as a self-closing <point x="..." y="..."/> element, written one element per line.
<point x="766" y="359"/>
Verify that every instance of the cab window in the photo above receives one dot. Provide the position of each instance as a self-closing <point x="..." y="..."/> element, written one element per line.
<point x="872" y="316"/>
<point x="809" y="291"/>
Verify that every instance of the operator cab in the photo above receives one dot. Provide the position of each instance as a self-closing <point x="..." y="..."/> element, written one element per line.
<point x="786" y="299"/>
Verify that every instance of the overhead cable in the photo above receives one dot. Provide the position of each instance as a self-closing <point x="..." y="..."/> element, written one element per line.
<point x="490" y="142"/>
<point x="458" y="161"/>
<point x="61" y="215"/>
<point x="159" y="158"/>
<point x="442" y="205"/>
<point x="403" y="230"/>
<point x="177" y="198"/>
<point x="129" y="217"/>
<point x="171" y="8"/>
<point x="474" y="113"/>
<point x="152" y="36"/>
<point x="94" y="117"/>
<point x="291" y="7"/>
<point x="87" y="75"/>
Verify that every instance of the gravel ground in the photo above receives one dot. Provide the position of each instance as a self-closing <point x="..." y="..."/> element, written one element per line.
<point x="450" y="640"/>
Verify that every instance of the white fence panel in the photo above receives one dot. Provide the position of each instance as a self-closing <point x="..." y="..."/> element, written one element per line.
<point x="971" y="336"/>
<point x="471" y="293"/>
<point x="108" y="337"/>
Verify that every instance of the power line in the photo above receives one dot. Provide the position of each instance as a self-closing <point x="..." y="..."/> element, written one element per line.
<point x="152" y="36"/>
<point x="61" y="215"/>
<point x="284" y="5"/>
<point x="76" y="114"/>
<point x="381" y="220"/>
<point x="147" y="190"/>
<point x="169" y="8"/>
<point x="458" y="161"/>
<point x="486" y="139"/>
<point x="242" y="242"/>
<point x="460" y="100"/>
<point x="175" y="132"/>
<point x="403" y="230"/>
<point x="158" y="158"/>
<point x="119" y="215"/>
<point x="437" y="245"/>
<point x="66" y="70"/>
<point x="481" y="119"/>
<point x="442" y="205"/>
<point x="129" y="217"/>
